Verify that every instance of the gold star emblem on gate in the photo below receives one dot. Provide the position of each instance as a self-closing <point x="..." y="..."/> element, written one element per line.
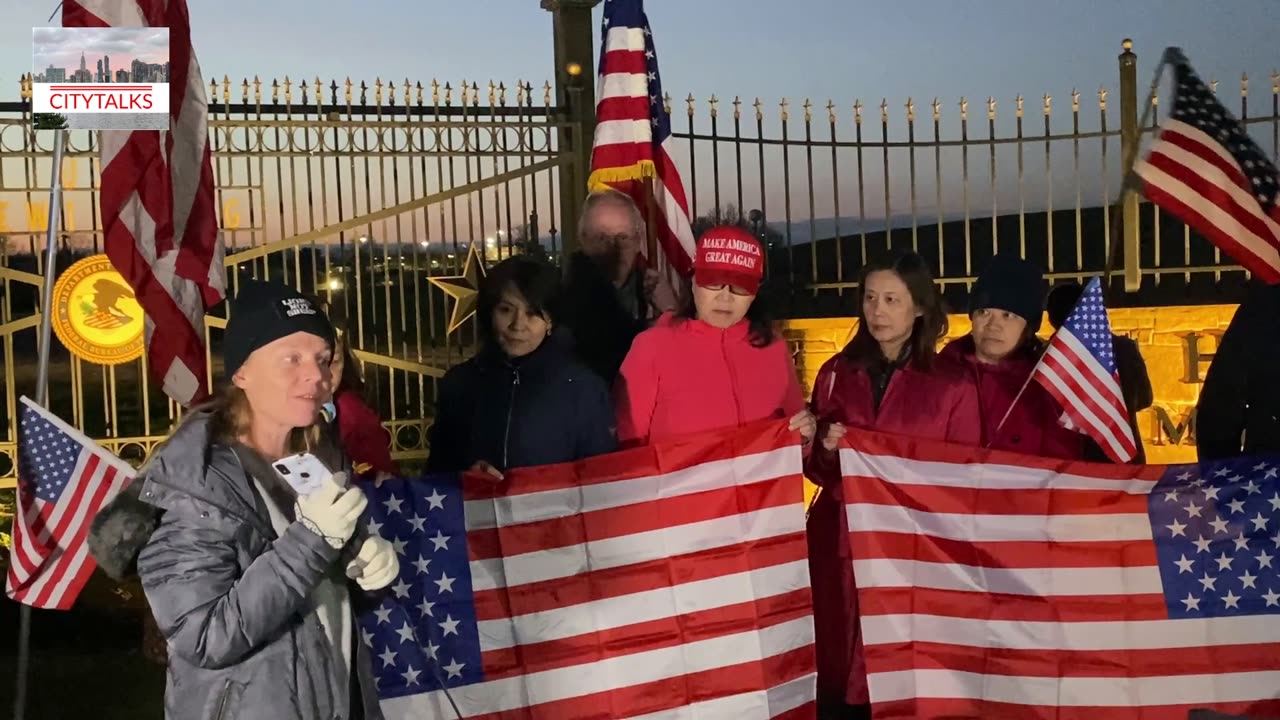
<point x="464" y="288"/>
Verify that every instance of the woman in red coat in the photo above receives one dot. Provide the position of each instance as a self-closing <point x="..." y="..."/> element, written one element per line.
<point x="717" y="362"/>
<point x="886" y="379"/>
<point x="1006" y="306"/>
<point x="360" y="430"/>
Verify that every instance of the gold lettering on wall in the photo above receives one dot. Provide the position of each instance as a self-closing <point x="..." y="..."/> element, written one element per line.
<point x="1169" y="432"/>
<point x="231" y="213"/>
<point x="1197" y="359"/>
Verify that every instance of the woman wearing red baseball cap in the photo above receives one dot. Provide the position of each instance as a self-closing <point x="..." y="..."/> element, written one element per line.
<point x="718" y="361"/>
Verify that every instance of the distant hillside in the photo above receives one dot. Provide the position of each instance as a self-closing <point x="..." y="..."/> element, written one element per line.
<point x="1063" y="225"/>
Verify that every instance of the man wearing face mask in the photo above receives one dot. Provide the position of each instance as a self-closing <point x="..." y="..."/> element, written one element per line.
<point x="611" y="297"/>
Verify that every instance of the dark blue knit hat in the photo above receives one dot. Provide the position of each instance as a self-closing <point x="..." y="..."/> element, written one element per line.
<point x="1012" y="284"/>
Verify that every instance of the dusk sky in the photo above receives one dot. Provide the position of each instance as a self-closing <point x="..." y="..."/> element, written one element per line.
<point x="817" y="49"/>
<point x="62" y="47"/>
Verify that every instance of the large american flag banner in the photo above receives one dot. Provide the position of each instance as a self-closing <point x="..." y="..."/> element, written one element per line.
<point x="997" y="585"/>
<point x="1078" y="369"/>
<point x="1205" y="169"/>
<point x="633" y="134"/>
<point x="663" y="582"/>
<point x="158" y="211"/>
<point x="64" y="478"/>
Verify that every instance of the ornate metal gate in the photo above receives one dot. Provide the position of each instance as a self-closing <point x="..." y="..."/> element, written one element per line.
<point x="366" y="195"/>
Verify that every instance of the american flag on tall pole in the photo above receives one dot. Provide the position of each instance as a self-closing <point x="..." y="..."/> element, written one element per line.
<point x="158" y="210"/>
<point x="64" y="478"/>
<point x="997" y="585"/>
<point x="1078" y="368"/>
<point x="1205" y="169"/>
<point x="632" y="150"/>
<point x="662" y="582"/>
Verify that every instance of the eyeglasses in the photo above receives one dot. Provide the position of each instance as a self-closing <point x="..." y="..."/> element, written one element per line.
<point x="616" y="239"/>
<point x="740" y="292"/>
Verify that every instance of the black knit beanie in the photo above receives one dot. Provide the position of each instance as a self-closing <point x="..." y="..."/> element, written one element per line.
<point x="264" y="312"/>
<point x="1012" y="284"/>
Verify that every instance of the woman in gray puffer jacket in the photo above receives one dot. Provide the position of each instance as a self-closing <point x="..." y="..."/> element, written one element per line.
<point x="247" y="580"/>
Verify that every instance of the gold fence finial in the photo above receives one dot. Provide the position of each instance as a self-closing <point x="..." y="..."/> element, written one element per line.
<point x="475" y="94"/>
<point x="1275" y="82"/>
<point x="257" y="90"/>
<point x="319" y="92"/>
<point x="1047" y="104"/>
<point x="24" y="86"/>
<point x="502" y="94"/>
<point x="546" y="92"/>
<point x="275" y="91"/>
<point x="226" y="90"/>
<point x="377" y="91"/>
<point x="884" y="110"/>
<point x="448" y="93"/>
<point x="464" y="90"/>
<point x="408" y="88"/>
<point x="391" y="92"/>
<point x="759" y="106"/>
<point x="688" y="103"/>
<point x="991" y="108"/>
<point x="519" y="93"/>
<point x="1018" y="101"/>
<point x="937" y="110"/>
<point x="831" y="111"/>
<point x="244" y="91"/>
<point x="911" y="110"/>
<point x="303" y="87"/>
<point x="1102" y="98"/>
<point x="417" y="94"/>
<point x="213" y="89"/>
<point x="964" y="109"/>
<point x="666" y="103"/>
<point x="493" y="94"/>
<point x="857" y="111"/>
<point x="714" y="103"/>
<point x="1244" y="84"/>
<point x="348" y="90"/>
<point x="808" y="110"/>
<point x="783" y="105"/>
<point x="288" y="90"/>
<point x="737" y="108"/>
<point x="1075" y="100"/>
<point x="435" y="91"/>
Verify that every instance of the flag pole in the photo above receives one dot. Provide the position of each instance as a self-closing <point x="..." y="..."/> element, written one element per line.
<point x="42" y="386"/>
<point x="1127" y="182"/>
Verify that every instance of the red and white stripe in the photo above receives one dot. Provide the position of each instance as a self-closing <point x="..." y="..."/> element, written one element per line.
<point x="1002" y="586"/>
<point x="49" y="560"/>
<point x="676" y="589"/>
<point x="624" y="141"/>
<point x="1194" y="177"/>
<point x="1090" y="396"/>
<point x="158" y="209"/>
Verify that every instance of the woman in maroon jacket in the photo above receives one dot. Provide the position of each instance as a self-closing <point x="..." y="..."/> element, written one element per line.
<point x="886" y="379"/>
<point x="360" y="430"/>
<point x="1006" y="306"/>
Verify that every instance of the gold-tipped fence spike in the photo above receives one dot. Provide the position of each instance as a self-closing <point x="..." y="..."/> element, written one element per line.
<point x="493" y="94"/>
<point x="808" y="108"/>
<point x="348" y="90"/>
<point x="448" y="93"/>
<point x="991" y="108"/>
<point x="377" y="91"/>
<point x="1275" y="82"/>
<point x="884" y="110"/>
<point x="475" y="95"/>
<point x="288" y="90"/>
<point x="1018" y="103"/>
<point x="502" y="94"/>
<point x="759" y="106"/>
<point x="519" y="93"/>
<point x="226" y="89"/>
<point x="937" y="110"/>
<point x="714" y="102"/>
<point x="1244" y="84"/>
<point x="1075" y="100"/>
<point x="911" y="110"/>
<point x="213" y="88"/>
<point x="1048" y="104"/>
<point x="303" y="88"/>
<point x="688" y="103"/>
<point x="964" y="109"/>
<point x="418" y="92"/>
<point x="435" y="91"/>
<point x="1102" y="98"/>
<point x="546" y="92"/>
<point x="785" y="114"/>
<point x="244" y="90"/>
<point x="857" y="111"/>
<point x="831" y="111"/>
<point x="275" y="91"/>
<point x="666" y="103"/>
<point x="1213" y="85"/>
<point x="257" y="90"/>
<point x="737" y="107"/>
<point x="408" y="87"/>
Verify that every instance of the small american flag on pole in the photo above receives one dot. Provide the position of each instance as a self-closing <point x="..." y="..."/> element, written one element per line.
<point x="665" y="582"/>
<point x="995" y="585"/>
<point x="633" y="134"/>
<point x="1206" y="170"/>
<point x="158" y="213"/>
<point x="64" y="478"/>
<point x="1079" y="371"/>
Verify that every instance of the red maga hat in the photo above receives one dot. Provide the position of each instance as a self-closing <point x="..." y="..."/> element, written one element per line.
<point x="729" y="255"/>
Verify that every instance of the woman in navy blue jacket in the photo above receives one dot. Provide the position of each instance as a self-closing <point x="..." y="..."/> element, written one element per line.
<point x="524" y="399"/>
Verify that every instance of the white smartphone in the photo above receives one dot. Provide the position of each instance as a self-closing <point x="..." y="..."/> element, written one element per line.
<point x="304" y="472"/>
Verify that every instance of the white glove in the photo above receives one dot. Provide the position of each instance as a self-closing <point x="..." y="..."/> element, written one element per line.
<point x="332" y="511"/>
<point x="375" y="566"/>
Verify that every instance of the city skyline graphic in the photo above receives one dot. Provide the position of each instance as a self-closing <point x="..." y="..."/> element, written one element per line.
<point x="100" y="55"/>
